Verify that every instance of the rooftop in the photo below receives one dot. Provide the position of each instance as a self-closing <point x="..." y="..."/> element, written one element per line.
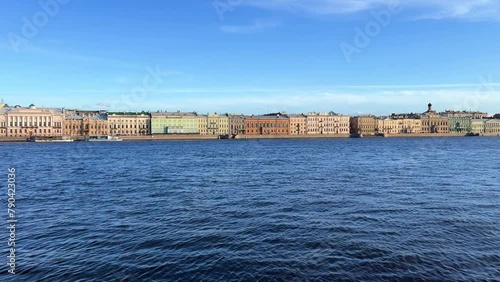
<point x="174" y="114"/>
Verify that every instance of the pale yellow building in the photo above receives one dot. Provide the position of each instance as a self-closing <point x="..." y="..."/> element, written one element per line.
<point x="213" y="124"/>
<point x="492" y="126"/>
<point x="218" y="125"/>
<point x="411" y="126"/>
<point x="203" y="124"/>
<point x="478" y="126"/>
<point x="26" y="122"/>
<point x="399" y="126"/>
<point x="327" y="124"/>
<point x="3" y="123"/>
<point x="298" y="124"/>
<point x="129" y="124"/>
<point x="387" y="126"/>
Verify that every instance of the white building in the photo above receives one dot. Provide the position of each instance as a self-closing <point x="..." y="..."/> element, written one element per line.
<point x="327" y="124"/>
<point x="26" y="122"/>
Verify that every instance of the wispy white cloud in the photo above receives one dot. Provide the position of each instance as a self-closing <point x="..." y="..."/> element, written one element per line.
<point x="256" y="26"/>
<point x="374" y="99"/>
<point x="422" y="86"/>
<point x="379" y="103"/>
<point x="423" y="9"/>
<point x="473" y="10"/>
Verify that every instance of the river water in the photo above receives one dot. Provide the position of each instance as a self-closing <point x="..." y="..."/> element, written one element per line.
<point x="256" y="210"/>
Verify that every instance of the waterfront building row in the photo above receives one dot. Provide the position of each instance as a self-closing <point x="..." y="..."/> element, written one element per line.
<point x="32" y="121"/>
<point x="427" y="122"/>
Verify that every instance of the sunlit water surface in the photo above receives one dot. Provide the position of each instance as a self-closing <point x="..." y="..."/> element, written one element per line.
<point x="269" y="210"/>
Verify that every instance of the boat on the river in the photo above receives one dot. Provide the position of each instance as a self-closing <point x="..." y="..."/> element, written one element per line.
<point x="470" y="134"/>
<point x="103" y="138"/>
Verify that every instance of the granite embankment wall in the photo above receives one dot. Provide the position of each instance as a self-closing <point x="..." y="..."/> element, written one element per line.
<point x="198" y="137"/>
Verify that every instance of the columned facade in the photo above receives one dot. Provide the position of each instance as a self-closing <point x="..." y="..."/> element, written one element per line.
<point x="27" y="122"/>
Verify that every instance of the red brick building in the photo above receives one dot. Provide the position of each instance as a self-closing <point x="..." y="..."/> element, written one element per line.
<point x="267" y="125"/>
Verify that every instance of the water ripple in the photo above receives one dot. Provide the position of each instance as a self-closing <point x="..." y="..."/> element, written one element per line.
<point x="353" y="210"/>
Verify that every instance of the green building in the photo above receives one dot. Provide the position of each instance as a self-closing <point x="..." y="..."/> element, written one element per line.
<point x="460" y="124"/>
<point x="174" y="123"/>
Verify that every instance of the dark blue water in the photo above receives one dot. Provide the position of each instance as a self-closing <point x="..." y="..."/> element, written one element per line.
<point x="273" y="210"/>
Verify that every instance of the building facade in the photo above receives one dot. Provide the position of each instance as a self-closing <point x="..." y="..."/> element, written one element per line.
<point x="213" y="124"/>
<point x="492" y="126"/>
<point x="174" y="123"/>
<point x="460" y="124"/>
<point x="434" y="123"/>
<point x="3" y="123"/>
<point x="478" y="126"/>
<point x="85" y="123"/>
<point x="410" y="126"/>
<point x="365" y="125"/>
<point x="237" y="124"/>
<point x="327" y="124"/>
<point x="298" y="124"/>
<point x="217" y="125"/>
<point x="129" y="124"/>
<point x="203" y="124"/>
<point x="73" y="125"/>
<point x="95" y="125"/>
<point x="27" y="122"/>
<point x="387" y="126"/>
<point x="267" y="125"/>
<point x="465" y="114"/>
<point x="461" y="121"/>
<point x="399" y="126"/>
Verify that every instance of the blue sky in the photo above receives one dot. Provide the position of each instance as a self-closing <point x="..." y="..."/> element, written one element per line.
<point x="252" y="56"/>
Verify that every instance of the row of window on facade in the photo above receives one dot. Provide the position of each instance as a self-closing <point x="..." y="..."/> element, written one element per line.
<point x="34" y="119"/>
<point x="44" y="131"/>
<point x="267" y="131"/>
<point x="116" y="126"/>
<point x="26" y="124"/>
<point x="128" y="121"/>
<point x="329" y="125"/>
<point x="442" y="123"/>
<point x="267" y="124"/>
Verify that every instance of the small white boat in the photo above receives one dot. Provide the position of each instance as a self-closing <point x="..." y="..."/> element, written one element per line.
<point x="103" y="139"/>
